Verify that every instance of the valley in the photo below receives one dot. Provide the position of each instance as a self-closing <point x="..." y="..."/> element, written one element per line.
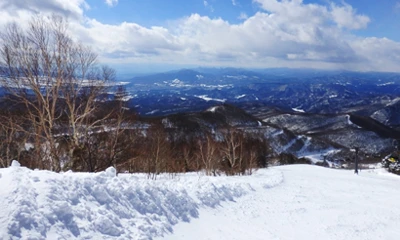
<point x="301" y="112"/>
<point x="305" y="116"/>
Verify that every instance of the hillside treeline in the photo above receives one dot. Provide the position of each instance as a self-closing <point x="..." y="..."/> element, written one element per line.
<point x="115" y="136"/>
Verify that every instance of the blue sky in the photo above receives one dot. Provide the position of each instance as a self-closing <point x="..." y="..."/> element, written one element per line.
<point x="151" y="35"/>
<point x="160" y="12"/>
<point x="384" y="14"/>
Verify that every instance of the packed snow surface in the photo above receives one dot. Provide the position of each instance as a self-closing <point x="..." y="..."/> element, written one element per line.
<point x="288" y="202"/>
<point x="311" y="203"/>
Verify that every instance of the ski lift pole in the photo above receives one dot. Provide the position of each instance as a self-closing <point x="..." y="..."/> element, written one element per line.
<point x="356" y="161"/>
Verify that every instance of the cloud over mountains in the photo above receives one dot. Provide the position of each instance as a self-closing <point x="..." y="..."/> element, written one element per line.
<point x="287" y="33"/>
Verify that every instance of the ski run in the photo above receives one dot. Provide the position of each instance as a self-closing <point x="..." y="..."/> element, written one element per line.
<point x="278" y="203"/>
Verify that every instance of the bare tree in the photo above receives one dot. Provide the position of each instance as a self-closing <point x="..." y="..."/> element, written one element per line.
<point x="154" y="152"/>
<point x="243" y="152"/>
<point x="188" y="156"/>
<point x="232" y="149"/>
<point x="10" y="140"/>
<point x="208" y="155"/>
<point x="56" y="80"/>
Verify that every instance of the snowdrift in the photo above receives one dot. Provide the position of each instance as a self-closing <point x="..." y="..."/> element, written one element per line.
<point x="46" y="205"/>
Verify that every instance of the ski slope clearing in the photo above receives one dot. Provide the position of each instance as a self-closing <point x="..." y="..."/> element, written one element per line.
<point x="311" y="203"/>
<point x="288" y="202"/>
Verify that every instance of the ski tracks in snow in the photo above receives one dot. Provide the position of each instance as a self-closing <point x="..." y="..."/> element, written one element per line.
<point x="310" y="203"/>
<point x="279" y="203"/>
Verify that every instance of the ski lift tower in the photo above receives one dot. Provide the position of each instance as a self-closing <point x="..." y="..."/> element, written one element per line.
<point x="355" y="149"/>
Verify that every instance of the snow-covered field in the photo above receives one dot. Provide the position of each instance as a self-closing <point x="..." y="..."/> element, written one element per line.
<point x="287" y="202"/>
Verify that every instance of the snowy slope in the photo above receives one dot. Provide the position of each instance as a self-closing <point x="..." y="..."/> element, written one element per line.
<point x="311" y="203"/>
<point x="47" y="205"/>
<point x="288" y="202"/>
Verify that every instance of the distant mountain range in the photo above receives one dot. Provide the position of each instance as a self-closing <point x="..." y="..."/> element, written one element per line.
<point x="301" y="112"/>
<point x="309" y="91"/>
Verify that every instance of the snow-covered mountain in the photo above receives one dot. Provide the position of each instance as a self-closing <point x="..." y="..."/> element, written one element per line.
<point x="389" y="114"/>
<point x="341" y="131"/>
<point x="304" y="112"/>
<point x="309" y="91"/>
<point x="315" y="137"/>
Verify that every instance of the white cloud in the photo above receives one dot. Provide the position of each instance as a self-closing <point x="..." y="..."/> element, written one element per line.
<point x="345" y="16"/>
<point x="133" y="40"/>
<point x="295" y="10"/>
<point x="282" y="34"/>
<point x="111" y="3"/>
<point x="243" y="16"/>
<point x="208" y="6"/>
<point x="378" y="53"/>
<point x="234" y="3"/>
<point x="18" y="8"/>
